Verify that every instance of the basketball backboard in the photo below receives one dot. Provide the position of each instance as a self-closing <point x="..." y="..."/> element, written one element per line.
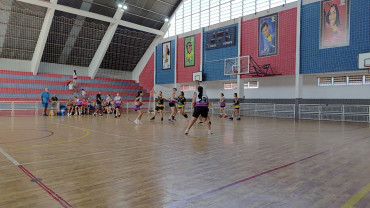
<point x="197" y="76"/>
<point x="363" y="60"/>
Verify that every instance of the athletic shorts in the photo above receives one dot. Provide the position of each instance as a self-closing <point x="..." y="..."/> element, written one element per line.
<point x="136" y="107"/>
<point x="180" y="106"/>
<point x="99" y="106"/>
<point x="157" y="108"/>
<point x="117" y="105"/>
<point x="172" y="105"/>
<point x="222" y="105"/>
<point x="44" y="105"/>
<point x="237" y="107"/>
<point x="200" y="110"/>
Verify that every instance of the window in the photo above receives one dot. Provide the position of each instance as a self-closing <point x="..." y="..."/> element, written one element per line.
<point x="194" y="14"/>
<point x="251" y="85"/>
<point x="343" y="80"/>
<point x="188" y="87"/>
<point x="247" y="85"/>
<point x="230" y="86"/>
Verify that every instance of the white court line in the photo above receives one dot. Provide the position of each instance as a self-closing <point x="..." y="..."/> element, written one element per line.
<point x="9" y="157"/>
<point x="84" y="155"/>
<point x="117" y="135"/>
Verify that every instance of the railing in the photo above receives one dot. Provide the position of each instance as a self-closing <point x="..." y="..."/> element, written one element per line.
<point x="355" y="113"/>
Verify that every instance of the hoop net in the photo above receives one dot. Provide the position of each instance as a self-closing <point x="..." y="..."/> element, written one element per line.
<point x="237" y="65"/>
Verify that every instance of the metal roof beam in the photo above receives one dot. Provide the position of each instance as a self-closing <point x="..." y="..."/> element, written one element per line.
<point x="93" y="16"/>
<point x="148" y="53"/>
<point x="44" y="32"/>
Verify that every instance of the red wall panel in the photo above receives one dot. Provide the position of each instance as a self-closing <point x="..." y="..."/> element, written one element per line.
<point x="284" y="62"/>
<point x="146" y="78"/>
<point x="185" y="74"/>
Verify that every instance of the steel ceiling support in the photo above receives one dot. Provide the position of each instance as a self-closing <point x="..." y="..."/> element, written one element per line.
<point x="75" y="31"/>
<point x="148" y="53"/>
<point x="93" y="16"/>
<point x="104" y="44"/>
<point x="44" y="32"/>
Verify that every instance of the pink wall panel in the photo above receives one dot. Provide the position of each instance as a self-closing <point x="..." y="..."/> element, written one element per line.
<point x="146" y="78"/>
<point x="185" y="74"/>
<point x="284" y="62"/>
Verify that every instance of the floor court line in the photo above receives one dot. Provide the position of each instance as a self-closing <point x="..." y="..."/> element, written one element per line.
<point x="117" y="135"/>
<point x="43" y="137"/>
<point x="357" y="197"/>
<point x="59" y="199"/>
<point x="182" y="202"/>
<point x="87" y="133"/>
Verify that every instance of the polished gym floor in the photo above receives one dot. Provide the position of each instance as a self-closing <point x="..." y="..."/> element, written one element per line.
<point x="85" y="161"/>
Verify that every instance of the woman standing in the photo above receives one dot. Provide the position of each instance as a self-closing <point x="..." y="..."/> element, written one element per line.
<point x="138" y="103"/>
<point x="117" y="105"/>
<point x="181" y="103"/>
<point x="236" y="106"/>
<point x="160" y="104"/>
<point x="172" y="105"/>
<point x="200" y="103"/>
<point x="222" y="106"/>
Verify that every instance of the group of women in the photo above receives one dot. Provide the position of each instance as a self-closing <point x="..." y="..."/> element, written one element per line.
<point x="200" y="103"/>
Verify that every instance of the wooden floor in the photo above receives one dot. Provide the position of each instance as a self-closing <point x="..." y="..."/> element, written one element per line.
<point x="256" y="162"/>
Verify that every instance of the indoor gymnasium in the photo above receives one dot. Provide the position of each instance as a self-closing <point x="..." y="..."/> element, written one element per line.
<point x="184" y="103"/>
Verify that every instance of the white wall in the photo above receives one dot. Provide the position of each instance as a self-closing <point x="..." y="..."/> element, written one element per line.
<point x="312" y="91"/>
<point x="15" y="65"/>
<point x="282" y="88"/>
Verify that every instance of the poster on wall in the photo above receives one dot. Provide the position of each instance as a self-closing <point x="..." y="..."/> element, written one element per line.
<point x="334" y="23"/>
<point x="268" y="33"/>
<point x="166" y="55"/>
<point x="220" y="38"/>
<point x="189" y="59"/>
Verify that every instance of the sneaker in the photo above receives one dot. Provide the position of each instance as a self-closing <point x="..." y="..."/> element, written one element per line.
<point x="187" y="131"/>
<point x="161" y="119"/>
<point x="100" y="115"/>
<point x="220" y="116"/>
<point x="94" y="114"/>
<point x="210" y="132"/>
<point x="136" y="122"/>
<point x="226" y="116"/>
<point x="153" y="118"/>
<point x="139" y="122"/>
<point x="231" y="118"/>
<point x="44" y="115"/>
<point x="200" y="123"/>
<point x="119" y="115"/>
<point x="238" y="119"/>
<point x="115" y="116"/>
<point x="170" y="120"/>
<point x="173" y="119"/>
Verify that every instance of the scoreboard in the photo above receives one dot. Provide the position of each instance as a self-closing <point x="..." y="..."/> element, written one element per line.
<point x="220" y="38"/>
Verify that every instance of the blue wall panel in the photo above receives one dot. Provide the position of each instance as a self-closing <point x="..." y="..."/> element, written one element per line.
<point x="316" y="60"/>
<point x="213" y="66"/>
<point x="166" y="76"/>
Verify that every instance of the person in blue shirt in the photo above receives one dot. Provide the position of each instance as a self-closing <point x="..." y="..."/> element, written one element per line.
<point x="269" y="40"/>
<point x="45" y="101"/>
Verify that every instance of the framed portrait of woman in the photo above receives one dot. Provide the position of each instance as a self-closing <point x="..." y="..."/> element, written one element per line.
<point x="166" y="55"/>
<point x="334" y="23"/>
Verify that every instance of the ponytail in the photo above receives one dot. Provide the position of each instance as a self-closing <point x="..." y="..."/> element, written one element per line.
<point x="138" y="93"/>
<point x="200" y="90"/>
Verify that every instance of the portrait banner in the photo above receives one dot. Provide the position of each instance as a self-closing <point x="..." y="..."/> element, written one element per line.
<point x="189" y="55"/>
<point x="166" y="55"/>
<point x="268" y="33"/>
<point x="334" y="23"/>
